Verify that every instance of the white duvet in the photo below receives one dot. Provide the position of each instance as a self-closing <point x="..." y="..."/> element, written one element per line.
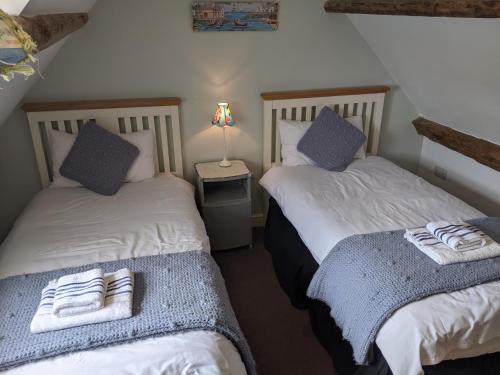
<point x="66" y="227"/>
<point x="375" y="195"/>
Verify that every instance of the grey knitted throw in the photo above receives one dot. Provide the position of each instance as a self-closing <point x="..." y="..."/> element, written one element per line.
<point x="173" y="293"/>
<point x="367" y="277"/>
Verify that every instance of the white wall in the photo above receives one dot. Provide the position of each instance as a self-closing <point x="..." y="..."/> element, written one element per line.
<point x="449" y="70"/>
<point x="147" y="49"/>
<point x="13" y="7"/>
<point x="467" y="179"/>
<point x="14" y="91"/>
<point x="18" y="177"/>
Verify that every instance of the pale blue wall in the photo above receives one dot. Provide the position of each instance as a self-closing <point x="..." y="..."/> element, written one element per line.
<point x="147" y="49"/>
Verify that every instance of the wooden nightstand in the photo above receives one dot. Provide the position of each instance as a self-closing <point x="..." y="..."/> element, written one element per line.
<point x="224" y="196"/>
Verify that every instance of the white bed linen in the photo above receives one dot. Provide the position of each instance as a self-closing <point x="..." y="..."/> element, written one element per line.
<point x="375" y="195"/>
<point x="197" y="352"/>
<point x="65" y="227"/>
<point x="371" y="195"/>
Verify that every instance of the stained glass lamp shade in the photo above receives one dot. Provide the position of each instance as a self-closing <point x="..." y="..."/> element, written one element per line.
<point x="223" y="118"/>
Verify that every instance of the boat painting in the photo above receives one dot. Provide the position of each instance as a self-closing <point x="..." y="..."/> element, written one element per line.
<point x="235" y="16"/>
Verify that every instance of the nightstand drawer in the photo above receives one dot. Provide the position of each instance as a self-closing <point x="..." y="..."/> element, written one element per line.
<point x="229" y="226"/>
<point x="225" y="192"/>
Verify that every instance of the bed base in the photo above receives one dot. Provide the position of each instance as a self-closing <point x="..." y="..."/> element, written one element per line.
<point x="295" y="267"/>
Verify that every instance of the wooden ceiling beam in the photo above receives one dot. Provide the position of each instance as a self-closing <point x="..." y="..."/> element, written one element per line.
<point x="426" y="8"/>
<point x="48" y="29"/>
<point x="481" y="150"/>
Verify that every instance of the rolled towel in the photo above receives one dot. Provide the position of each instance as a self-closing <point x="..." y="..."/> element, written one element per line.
<point x="117" y="305"/>
<point x="79" y="293"/>
<point x="459" y="236"/>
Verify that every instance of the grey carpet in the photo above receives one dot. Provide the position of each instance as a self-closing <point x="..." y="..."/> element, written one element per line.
<point x="279" y="335"/>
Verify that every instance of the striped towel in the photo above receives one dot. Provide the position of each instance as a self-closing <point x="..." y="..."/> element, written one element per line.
<point x="424" y="240"/>
<point x="117" y="305"/>
<point x="78" y="293"/>
<point x="459" y="236"/>
<point x="442" y="253"/>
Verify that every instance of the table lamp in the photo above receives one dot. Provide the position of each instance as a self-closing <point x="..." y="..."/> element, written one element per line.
<point x="223" y="118"/>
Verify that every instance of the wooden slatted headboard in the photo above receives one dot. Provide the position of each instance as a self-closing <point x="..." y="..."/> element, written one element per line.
<point x="304" y="105"/>
<point x="161" y="115"/>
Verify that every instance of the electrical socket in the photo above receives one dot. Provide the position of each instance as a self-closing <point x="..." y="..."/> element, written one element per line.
<point x="441" y="173"/>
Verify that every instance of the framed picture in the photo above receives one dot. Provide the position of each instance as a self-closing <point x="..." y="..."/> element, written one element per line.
<point x="235" y="16"/>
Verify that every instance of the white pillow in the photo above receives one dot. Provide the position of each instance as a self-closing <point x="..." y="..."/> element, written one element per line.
<point x="357" y="121"/>
<point x="143" y="167"/>
<point x="291" y="132"/>
<point x="60" y="143"/>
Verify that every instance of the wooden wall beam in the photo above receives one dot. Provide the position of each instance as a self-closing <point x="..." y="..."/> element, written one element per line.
<point x="48" y="29"/>
<point x="482" y="151"/>
<point x="427" y="8"/>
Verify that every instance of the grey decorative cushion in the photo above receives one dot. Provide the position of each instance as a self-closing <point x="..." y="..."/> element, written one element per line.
<point x="99" y="159"/>
<point x="331" y="142"/>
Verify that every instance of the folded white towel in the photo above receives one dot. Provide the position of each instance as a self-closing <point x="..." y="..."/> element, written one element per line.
<point x="117" y="305"/>
<point x="424" y="240"/>
<point x="443" y="254"/>
<point x="79" y="293"/>
<point x="459" y="236"/>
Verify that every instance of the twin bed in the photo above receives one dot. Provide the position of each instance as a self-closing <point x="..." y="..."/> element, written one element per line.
<point x="311" y="210"/>
<point x="72" y="226"/>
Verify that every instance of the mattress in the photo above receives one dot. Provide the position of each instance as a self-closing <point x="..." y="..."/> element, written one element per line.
<point x="375" y="195"/>
<point x="68" y="227"/>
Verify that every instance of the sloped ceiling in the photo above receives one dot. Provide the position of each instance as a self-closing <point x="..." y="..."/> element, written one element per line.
<point x="447" y="67"/>
<point x="13" y="7"/>
<point x="13" y="92"/>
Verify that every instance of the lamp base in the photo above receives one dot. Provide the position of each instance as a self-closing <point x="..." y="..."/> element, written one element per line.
<point x="224" y="163"/>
